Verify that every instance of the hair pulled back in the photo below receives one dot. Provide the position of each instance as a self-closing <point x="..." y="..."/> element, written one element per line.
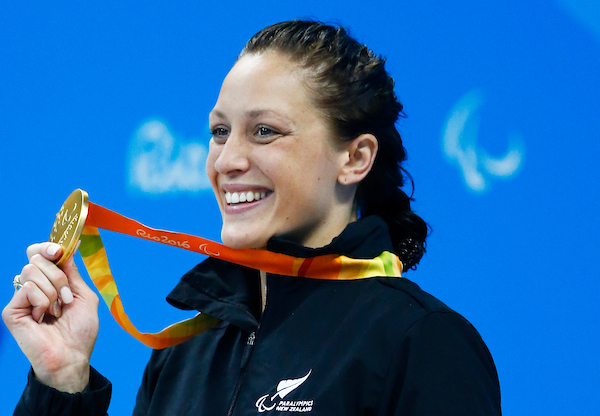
<point x="350" y="85"/>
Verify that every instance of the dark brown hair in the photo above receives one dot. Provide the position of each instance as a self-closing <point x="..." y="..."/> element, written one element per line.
<point x="349" y="83"/>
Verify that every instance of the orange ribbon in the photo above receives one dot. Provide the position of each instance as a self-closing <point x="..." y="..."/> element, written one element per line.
<point x="329" y="267"/>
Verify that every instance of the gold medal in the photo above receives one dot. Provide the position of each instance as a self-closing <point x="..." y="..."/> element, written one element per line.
<point x="69" y="223"/>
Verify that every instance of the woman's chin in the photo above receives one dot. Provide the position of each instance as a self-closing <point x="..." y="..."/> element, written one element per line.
<point x="242" y="241"/>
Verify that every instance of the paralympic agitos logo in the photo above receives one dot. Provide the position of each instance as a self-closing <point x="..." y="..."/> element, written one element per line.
<point x="285" y="387"/>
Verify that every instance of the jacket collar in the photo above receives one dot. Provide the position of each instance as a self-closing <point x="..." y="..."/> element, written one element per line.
<point x="362" y="239"/>
<point x="232" y="293"/>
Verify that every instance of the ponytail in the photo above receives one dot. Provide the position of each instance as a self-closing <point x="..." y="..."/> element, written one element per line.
<point x="380" y="194"/>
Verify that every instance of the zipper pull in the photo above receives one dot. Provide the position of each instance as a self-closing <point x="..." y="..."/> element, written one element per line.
<point x="248" y="349"/>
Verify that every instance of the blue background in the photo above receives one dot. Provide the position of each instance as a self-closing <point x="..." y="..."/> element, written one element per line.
<point x="502" y="133"/>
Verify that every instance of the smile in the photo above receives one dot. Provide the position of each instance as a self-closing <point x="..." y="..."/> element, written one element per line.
<point x="238" y="197"/>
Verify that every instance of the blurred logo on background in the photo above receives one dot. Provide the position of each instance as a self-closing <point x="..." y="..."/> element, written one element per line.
<point x="160" y="162"/>
<point x="460" y="146"/>
<point x="587" y="12"/>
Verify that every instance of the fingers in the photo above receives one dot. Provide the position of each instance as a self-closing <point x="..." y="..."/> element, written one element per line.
<point x="51" y="251"/>
<point x="55" y="276"/>
<point x="58" y="285"/>
<point x="30" y="301"/>
<point x="50" y="281"/>
<point x="37" y="300"/>
<point x="33" y="277"/>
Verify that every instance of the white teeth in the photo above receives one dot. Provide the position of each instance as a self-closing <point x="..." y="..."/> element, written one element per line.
<point x="237" y="197"/>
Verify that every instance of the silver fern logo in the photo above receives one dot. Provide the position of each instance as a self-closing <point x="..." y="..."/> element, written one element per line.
<point x="285" y="387"/>
<point x="460" y="146"/>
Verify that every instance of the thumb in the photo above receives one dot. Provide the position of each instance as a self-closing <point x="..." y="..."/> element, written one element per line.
<point x="76" y="282"/>
<point x="70" y="268"/>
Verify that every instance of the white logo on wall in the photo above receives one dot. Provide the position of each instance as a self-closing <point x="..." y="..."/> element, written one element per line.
<point x="160" y="163"/>
<point x="285" y="387"/>
<point x="587" y="12"/>
<point x="461" y="148"/>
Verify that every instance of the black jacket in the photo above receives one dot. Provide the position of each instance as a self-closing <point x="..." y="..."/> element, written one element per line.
<point x="378" y="346"/>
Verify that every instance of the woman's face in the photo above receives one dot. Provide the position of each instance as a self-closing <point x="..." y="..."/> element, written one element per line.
<point x="273" y="162"/>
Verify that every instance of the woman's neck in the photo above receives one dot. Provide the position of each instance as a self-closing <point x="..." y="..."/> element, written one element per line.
<point x="263" y="290"/>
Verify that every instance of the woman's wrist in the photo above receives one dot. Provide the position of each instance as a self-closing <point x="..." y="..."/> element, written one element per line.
<point x="71" y="379"/>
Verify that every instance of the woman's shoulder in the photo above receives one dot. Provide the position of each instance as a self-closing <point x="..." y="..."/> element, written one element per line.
<point x="406" y="290"/>
<point x="415" y="316"/>
<point x="404" y="299"/>
<point x="437" y="353"/>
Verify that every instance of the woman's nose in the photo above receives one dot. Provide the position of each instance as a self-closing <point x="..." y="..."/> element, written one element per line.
<point x="233" y="156"/>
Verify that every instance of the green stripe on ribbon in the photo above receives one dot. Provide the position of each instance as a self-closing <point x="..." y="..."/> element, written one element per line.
<point x="90" y="244"/>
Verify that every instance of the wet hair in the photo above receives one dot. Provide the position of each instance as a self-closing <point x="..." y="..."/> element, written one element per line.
<point x="350" y="85"/>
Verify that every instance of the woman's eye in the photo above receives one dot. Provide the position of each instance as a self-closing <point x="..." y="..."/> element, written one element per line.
<point x="265" y="131"/>
<point x="219" y="133"/>
<point x="266" y="134"/>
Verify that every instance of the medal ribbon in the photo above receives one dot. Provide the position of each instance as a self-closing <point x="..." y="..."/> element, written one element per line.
<point x="326" y="267"/>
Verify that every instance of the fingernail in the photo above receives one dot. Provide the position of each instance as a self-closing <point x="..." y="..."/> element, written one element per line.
<point x="52" y="249"/>
<point x="56" y="309"/>
<point x="42" y="318"/>
<point x="66" y="294"/>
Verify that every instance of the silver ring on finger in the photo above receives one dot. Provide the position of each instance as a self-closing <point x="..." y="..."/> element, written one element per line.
<point x="17" y="282"/>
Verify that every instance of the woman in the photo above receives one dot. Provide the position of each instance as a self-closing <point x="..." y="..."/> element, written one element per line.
<point x="303" y="143"/>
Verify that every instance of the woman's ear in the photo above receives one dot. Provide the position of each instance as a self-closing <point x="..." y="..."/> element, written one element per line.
<point x="359" y="158"/>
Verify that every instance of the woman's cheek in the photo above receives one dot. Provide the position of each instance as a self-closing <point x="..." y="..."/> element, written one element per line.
<point x="211" y="172"/>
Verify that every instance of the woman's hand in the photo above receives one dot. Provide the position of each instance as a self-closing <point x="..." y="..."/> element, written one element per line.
<point x="54" y="319"/>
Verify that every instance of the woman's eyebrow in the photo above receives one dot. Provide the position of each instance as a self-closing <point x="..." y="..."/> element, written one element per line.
<point x="216" y="113"/>
<point x="262" y="112"/>
<point x="252" y="114"/>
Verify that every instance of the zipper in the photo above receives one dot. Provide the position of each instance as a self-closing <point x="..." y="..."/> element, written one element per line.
<point x="245" y="358"/>
<point x="251" y="339"/>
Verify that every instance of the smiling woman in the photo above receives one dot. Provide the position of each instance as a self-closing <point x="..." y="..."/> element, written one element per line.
<point x="266" y="135"/>
<point x="304" y="160"/>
